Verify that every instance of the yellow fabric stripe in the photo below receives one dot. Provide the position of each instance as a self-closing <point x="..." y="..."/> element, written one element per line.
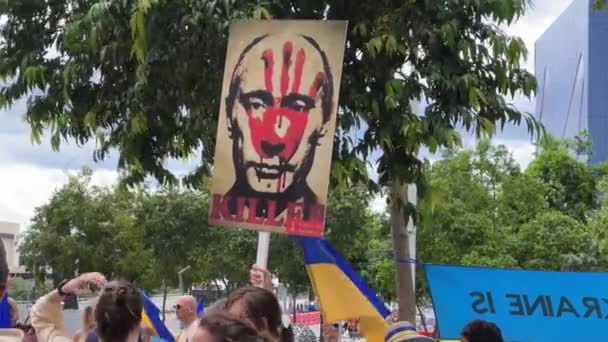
<point x="341" y="300"/>
<point x="146" y="321"/>
<point x="401" y="335"/>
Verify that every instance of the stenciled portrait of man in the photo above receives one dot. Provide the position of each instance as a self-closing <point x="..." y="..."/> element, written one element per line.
<point x="276" y="125"/>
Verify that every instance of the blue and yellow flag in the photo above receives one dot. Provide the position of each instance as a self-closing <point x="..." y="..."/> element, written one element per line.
<point x="342" y="292"/>
<point x="200" y="308"/>
<point x="5" y="313"/>
<point x="150" y="317"/>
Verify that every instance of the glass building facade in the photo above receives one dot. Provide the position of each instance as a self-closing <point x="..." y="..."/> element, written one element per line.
<point x="571" y="66"/>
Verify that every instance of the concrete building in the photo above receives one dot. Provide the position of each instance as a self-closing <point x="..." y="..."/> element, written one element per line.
<point x="9" y="234"/>
<point x="572" y="73"/>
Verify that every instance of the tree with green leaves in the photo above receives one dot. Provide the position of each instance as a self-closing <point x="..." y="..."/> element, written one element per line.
<point x="352" y="228"/>
<point x="85" y="228"/>
<point x="225" y="258"/>
<point x="545" y="242"/>
<point x="493" y="214"/>
<point x="570" y="184"/>
<point x="141" y="77"/>
<point x="466" y="227"/>
<point x="174" y="224"/>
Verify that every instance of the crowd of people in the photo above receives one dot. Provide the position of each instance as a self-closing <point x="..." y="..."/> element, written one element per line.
<point x="248" y="314"/>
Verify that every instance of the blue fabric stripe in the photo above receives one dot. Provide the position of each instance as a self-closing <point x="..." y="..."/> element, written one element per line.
<point x="319" y="251"/>
<point x="153" y="313"/>
<point x="398" y="330"/>
<point x="200" y="308"/>
<point x="5" y="313"/>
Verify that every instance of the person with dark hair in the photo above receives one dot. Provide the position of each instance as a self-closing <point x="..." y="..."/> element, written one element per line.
<point x="260" y="307"/>
<point x="218" y="306"/>
<point x="260" y="277"/>
<point x="118" y="311"/>
<point x="481" y="331"/>
<point x="220" y="327"/>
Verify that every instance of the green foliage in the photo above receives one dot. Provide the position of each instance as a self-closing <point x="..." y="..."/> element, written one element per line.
<point x="18" y="288"/>
<point x="172" y="227"/>
<point x="136" y="76"/>
<point x="141" y="76"/>
<point x="148" y="236"/>
<point x="522" y="198"/>
<point x="599" y="4"/>
<point x="78" y="217"/>
<point x="28" y="290"/>
<point x="147" y="71"/>
<point x="226" y="256"/>
<point x="570" y="184"/>
<point x="545" y="241"/>
<point x="379" y="267"/>
<point x="549" y="217"/>
<point x="357" y="233"/>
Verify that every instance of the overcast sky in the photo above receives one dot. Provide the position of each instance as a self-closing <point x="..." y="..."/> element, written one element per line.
<point x="30" y="173"/>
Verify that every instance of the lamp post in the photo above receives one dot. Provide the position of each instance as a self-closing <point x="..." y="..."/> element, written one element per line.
<point x="181" y="278"/>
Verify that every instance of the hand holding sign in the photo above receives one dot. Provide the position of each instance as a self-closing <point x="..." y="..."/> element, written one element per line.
<point x="260" y="277"/>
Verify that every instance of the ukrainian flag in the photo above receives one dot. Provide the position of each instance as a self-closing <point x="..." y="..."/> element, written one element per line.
<point x="200" y="308"/>
<point x="150" y="317"/>
<point x="5" y="313"/>
<point x="342" y="292"/>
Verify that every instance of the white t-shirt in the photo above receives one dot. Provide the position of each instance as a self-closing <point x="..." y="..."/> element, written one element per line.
<point x="186" y="334"/>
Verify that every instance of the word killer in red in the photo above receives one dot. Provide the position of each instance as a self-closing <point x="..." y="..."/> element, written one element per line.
<point x="292" y="218"/>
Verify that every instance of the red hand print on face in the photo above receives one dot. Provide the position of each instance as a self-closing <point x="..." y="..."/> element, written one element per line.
<point x="278" y="123"/>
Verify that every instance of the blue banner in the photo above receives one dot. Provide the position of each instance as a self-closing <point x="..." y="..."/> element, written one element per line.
<point x="528" y="306"/>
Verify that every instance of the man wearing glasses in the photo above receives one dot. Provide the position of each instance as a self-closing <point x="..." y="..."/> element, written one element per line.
<point x="185" y="310"/>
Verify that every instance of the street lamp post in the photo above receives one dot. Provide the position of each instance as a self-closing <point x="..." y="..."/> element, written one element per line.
<point x="181" y="278"/>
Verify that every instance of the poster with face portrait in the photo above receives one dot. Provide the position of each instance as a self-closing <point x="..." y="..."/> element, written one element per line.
<point x="276" y="125"/>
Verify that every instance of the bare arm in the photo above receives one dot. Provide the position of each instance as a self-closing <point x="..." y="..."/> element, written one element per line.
<point x="47" y="315"/>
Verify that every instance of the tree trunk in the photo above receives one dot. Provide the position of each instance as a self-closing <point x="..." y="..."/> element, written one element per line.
<point x="164" y="299"/>
<point x="218" y="289"/>
<point x="405" y="285"/>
